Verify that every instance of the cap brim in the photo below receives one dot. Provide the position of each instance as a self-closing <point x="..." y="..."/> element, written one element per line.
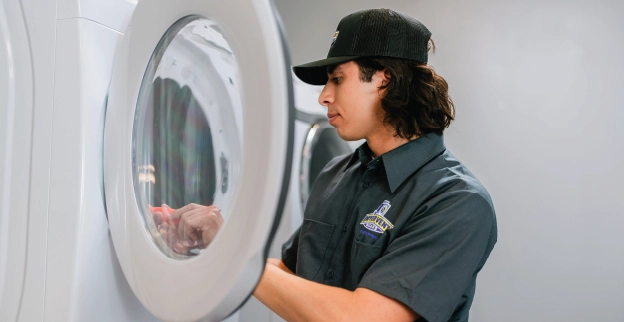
<point x="315" y="73"/>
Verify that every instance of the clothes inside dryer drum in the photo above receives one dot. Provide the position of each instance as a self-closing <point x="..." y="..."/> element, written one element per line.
<point x="183" y="166"/>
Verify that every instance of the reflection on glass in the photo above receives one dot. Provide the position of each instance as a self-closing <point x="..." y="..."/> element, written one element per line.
<point x="187" y="137"/>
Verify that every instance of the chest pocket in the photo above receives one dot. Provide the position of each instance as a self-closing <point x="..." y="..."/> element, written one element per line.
<point x="313" y="242"/>
<point x="363" y="256"/>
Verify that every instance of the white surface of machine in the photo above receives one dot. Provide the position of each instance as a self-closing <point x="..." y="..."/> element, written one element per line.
<point x="211" y="75"/>
<point x="16" y="112"/>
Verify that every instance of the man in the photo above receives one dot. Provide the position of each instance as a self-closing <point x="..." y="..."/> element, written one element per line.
<point x="398" y="230"/>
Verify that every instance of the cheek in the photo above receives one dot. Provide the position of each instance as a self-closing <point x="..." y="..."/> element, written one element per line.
<point x="370" y="106"/>
<point x="359" y="104"/>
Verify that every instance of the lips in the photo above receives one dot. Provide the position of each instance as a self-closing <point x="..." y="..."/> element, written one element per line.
<point x="332" y="117"/>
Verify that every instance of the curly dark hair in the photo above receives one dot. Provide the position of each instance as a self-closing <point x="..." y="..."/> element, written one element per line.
<point x="415" y="100"/>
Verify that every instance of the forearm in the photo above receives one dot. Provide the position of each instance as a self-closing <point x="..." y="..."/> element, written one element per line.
<point x="278" y="262"/>
<point x="297" y="299"/>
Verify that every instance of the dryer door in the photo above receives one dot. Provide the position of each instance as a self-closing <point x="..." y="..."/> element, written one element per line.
<point x="199" y="115"/>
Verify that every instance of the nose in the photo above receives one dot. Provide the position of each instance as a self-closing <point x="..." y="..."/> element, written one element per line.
<point x="327" y="96"/>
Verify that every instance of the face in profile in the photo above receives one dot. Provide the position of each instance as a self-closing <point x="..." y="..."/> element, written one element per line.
<point x="353" y="106"/>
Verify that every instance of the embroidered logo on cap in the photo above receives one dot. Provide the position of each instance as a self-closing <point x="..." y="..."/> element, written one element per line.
<point x="376" y="221"/>
<point x="334" y="39"/>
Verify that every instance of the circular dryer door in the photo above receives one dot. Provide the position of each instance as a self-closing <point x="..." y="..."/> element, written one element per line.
<point x="197" y="152"/>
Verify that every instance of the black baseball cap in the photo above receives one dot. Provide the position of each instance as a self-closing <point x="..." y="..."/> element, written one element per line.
<point x="370" y="33"/>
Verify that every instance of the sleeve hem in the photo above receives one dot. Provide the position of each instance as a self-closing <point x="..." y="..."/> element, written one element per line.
<point x="289" y="263"/>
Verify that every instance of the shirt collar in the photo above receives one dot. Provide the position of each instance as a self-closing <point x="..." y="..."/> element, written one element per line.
<point x="403" y="161"/>
<point x="362" y="154"/>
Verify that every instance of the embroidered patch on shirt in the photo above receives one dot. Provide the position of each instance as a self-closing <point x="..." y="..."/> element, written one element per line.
<point x="376" y="221"/>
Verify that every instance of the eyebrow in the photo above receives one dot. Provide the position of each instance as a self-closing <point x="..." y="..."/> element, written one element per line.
<point x="333" y="68"/>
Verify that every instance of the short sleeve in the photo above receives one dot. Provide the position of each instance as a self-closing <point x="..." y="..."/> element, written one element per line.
<point x="289" y="251"/>
<point x="436" y="257"/>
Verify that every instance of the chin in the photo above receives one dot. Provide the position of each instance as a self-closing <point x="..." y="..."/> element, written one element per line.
<point x="348" y="136"/>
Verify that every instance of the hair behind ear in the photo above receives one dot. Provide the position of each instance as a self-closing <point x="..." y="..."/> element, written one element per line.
<point x="416" y="99"/>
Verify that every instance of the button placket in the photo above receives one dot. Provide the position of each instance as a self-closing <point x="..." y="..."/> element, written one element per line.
<point x="367" y="178"/>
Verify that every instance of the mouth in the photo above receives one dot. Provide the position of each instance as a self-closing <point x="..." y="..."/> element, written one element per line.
<point x="332" y="117"/>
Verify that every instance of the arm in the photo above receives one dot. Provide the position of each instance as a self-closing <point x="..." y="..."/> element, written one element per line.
<point x="278" y="262"/>
<point x="297" y="299"/>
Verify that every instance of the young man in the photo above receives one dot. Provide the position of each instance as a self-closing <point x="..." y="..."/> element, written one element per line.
<point x="398" y="230"/>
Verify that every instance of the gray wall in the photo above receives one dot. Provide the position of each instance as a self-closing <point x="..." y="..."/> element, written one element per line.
<point x="538" y="87"/>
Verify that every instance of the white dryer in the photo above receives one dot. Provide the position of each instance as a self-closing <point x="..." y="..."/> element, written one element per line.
<point x="199" y="110"/>
<point x="16" y="118"/>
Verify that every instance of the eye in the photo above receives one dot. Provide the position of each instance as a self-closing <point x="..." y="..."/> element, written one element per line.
<point x="336" y="80"/>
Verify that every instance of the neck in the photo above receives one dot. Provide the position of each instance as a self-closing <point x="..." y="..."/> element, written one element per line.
<point x="383" y="141"/>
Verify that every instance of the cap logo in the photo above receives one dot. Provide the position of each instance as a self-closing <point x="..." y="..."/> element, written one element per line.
<point x="334" y="39"/>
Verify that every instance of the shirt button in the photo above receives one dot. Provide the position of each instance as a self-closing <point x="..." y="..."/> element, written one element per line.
<point x="344" y="229"/>
<point x="330" y="274"/>
<point x="365" y="185"/>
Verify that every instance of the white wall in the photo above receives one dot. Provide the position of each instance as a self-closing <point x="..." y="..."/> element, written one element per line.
<point x="538" y="87"/>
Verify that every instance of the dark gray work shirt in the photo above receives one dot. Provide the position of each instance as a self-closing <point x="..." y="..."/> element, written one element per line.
<point x="413" y="224"/>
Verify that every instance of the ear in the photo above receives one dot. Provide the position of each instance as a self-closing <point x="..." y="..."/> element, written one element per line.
<point x="382" y="77"/>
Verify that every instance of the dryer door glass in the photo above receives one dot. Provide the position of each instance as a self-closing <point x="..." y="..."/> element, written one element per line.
<point x="187" y="137"/>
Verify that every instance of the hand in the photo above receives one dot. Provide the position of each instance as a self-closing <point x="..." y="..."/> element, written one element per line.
<point x="166" y="227"/>
<point x="195" y="226"/>
<point x="192" y="226"/>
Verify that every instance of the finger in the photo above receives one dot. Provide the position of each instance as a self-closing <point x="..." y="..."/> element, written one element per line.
<point x="163" y="233"/>
<point x="180" y="249"/>
<point x="169" y="226"/>
<point x="180" y="211"/>
<point x="192" y="206"/>
<point x="166" y="209"/>
<point x="158" y="218"/>
<point x="187" y="243"/>
<point x="183" y="247"/>
<point x="181" y="222"/>
<point x="171" y="237"/>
